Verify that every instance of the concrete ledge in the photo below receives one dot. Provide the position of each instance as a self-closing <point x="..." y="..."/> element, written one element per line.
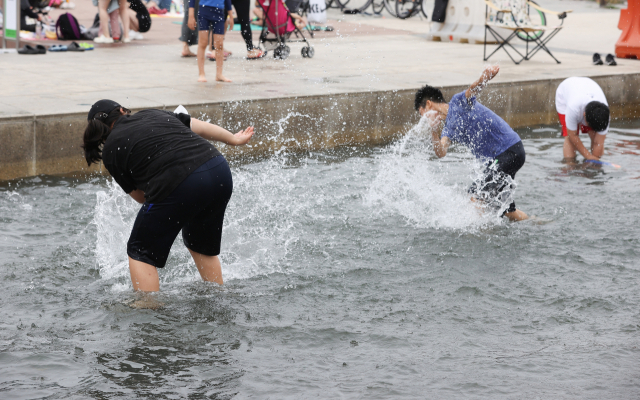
<point x="50" y="144"/>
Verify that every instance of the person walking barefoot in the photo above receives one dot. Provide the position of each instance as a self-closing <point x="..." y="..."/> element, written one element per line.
<point x="218" y="15"/>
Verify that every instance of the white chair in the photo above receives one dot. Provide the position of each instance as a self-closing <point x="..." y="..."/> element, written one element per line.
<point x="515" y="17"/>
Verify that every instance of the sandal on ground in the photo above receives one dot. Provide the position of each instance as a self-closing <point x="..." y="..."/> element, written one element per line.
<point x="86" y="46"/>
<point x="27" y="49"/>
<point x="261" y="54"/>
<point x="74" y="47"/>
<point x="58" y="47"/>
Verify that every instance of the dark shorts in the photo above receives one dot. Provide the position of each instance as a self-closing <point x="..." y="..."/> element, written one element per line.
<point x="196" y="207"/>
<point x="213" y="17"/>
<point x="491" y="186"/>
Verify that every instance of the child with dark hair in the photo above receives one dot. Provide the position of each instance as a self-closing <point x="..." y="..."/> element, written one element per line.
<point x="489" y="137"/>
<point x="218" y="15"/>
<point x="582" y="108"/>
<point x="166" y="162"/>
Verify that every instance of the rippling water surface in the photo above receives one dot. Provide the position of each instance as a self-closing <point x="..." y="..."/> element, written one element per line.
<point x="354" y="273"/>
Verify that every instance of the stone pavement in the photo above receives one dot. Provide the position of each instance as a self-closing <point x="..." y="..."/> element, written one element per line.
<point x="363" y="54"/>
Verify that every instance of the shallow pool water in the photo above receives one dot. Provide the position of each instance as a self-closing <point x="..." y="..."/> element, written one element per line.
<point x="360" y="272"/>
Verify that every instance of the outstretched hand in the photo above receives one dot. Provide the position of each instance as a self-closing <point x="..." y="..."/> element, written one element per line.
<point x="490" y="72"/>
<point x="244" y="136"/>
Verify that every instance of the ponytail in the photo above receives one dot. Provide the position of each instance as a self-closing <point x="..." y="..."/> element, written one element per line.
<point x="96" y="133"/>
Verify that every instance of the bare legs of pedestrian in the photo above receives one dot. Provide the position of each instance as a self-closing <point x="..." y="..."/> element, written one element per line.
<point x="124" y="16"/>
<point x="203" y="41"/>
<point x="218" y="41"/>
<point x="104" y="17"/>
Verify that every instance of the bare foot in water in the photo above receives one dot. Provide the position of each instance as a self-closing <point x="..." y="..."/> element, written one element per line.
<point x="222" y="78"/>
<point x="202" y="78"/>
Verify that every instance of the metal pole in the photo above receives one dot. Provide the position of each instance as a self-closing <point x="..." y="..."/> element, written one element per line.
<point x="18" y="24"/>
<point x="4" y="24"/>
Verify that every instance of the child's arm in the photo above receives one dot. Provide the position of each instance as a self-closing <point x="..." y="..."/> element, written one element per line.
<point x="192" y="19"/>
<point x="476" y="87"/>
<point x="214" y="132"/>
<point x="440" y="144"/>
<point x="229" y="21"/>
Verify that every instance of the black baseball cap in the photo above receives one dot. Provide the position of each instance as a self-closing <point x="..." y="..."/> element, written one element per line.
<point x="100" y="109"/>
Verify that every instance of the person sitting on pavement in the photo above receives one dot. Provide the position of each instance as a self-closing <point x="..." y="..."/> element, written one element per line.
<point x="137" y="21"/>
<point x="27" y="11"/>
<point x="582" y="108"/>
<point x="488" y="136"/>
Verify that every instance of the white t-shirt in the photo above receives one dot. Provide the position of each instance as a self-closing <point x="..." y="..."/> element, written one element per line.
<point x="572" y="98"/>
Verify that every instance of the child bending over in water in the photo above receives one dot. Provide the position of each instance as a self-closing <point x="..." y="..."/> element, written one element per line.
<point x="489" y="137"/>
<point x="218" y="15"/>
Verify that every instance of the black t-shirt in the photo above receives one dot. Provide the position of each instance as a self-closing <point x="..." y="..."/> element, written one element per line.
<point x="154" y="150"/>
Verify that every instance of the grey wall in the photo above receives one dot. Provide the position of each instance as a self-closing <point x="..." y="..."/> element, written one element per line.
<point x="50" y="144"/>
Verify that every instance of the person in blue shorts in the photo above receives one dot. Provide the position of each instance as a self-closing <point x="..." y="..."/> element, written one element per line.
<point x="217" y="15"/>
<point x="165" y="161"/>
<point x="463" y="120"/>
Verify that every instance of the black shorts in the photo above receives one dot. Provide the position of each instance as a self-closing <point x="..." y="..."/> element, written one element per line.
<point x="491" y="186"/>
<point x="196" y="207"/>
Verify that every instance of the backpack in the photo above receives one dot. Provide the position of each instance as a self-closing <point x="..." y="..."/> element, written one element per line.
<point x="67" y="27"/>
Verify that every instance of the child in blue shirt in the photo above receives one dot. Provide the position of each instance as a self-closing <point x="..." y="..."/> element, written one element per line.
<point x="216" y="14"/>
<point x="487" y="135"/>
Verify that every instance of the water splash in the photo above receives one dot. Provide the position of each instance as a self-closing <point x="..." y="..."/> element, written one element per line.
<point x="430" y="192"/>
<point x="258" y="228"/>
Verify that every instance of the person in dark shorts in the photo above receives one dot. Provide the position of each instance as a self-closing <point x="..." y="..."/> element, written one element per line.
<point x="162" y="160"/>
<point x="488" y="136"/>
<point x="216" y="15"/>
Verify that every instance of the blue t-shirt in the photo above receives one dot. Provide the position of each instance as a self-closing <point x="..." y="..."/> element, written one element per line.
<point x="221" y="4"/>
<point x="480" y="129"/>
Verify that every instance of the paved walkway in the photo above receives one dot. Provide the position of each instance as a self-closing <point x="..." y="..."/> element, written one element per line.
<point x="363" y="54"/>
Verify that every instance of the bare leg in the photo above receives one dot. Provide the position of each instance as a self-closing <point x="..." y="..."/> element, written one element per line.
<point x="133" y="20"/>
<point x="186" y="51"/>
<point x="209" y="267"/>
<point x="104" y="17"/>
<point x="203" y="41"/>
<point x="218" y="41"/>
<point x="124" y="16"/>
<point x="568" y="149"/>
<point x="144" y="277"/>
<point x="517" y="215"/>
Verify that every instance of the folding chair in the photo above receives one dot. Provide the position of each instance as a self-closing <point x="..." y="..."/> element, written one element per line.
<point x="514" y="16"/>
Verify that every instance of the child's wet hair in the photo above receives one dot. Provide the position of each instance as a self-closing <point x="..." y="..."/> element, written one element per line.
<point x="428" y="93"/>
<point x="597" y="116"/>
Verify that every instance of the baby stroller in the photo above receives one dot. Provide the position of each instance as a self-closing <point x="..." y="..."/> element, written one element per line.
<point x="277" y="20"/>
